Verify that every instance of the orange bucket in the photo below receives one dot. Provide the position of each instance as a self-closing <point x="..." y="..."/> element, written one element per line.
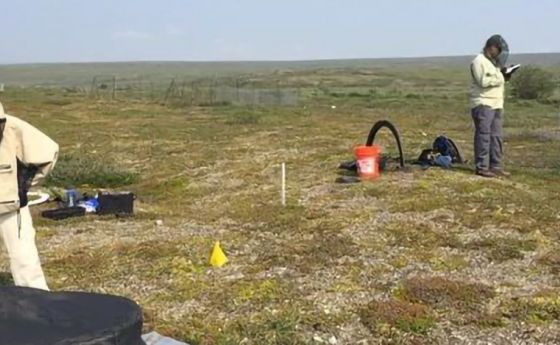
<point x="367" y="160"/>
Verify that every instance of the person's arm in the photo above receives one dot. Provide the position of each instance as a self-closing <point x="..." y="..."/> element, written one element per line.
<point x="484" y="78"/>
<point x="37" y="151"/>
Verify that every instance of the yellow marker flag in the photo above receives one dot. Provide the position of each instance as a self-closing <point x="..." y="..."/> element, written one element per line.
<point x="218" y="258"/>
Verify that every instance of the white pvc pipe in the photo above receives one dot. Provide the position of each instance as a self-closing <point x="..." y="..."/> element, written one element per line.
<point x="283" y="184"/>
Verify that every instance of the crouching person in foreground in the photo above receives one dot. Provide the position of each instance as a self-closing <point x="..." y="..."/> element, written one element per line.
<point x="27" y="156"/>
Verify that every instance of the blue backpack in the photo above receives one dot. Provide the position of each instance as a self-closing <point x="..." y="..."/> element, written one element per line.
<point x="446" y="147"/>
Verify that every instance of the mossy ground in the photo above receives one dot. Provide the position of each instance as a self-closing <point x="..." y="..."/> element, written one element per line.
<point x="417" y="257"/>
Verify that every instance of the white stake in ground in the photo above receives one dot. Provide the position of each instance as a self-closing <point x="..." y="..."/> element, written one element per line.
<point x="283" y="184"/>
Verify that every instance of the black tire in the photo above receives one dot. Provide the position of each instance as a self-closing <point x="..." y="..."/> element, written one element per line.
<point x="377" y="127"/>
<point x="36" y="317"/>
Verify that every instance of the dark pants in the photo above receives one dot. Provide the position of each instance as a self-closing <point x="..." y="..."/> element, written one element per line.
<point x="488" y="144"/>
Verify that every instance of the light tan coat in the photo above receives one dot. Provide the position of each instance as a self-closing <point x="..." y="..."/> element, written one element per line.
<point x="488" y="84"/>
<point x="21" y="141"/>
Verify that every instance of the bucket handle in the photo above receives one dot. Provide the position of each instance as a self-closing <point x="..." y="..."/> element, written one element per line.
<point x="384" y="123"/>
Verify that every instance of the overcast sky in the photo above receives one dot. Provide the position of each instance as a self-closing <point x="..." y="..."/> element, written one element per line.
<point x="123" y="30"/>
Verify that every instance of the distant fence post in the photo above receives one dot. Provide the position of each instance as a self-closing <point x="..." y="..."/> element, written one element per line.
<point x="152" y="91"/>
<point x="93" y="88"/>
<point x="114" y="96"/>
<point x="278" y="93"/>
<point x="192" y="92"/>
<point x="237" y="90"/>
<point x="169" y="91"/>
<point x="182" y="90"/>
<point x="211" y="91"/>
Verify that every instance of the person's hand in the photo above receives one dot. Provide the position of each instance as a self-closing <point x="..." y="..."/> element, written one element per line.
<point x="507" y="76"/>
<point x="511" y="69"/>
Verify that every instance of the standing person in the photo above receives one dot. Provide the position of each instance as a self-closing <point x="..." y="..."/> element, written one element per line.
<point x="489" y="76"/>
<point x="26" y="157"/>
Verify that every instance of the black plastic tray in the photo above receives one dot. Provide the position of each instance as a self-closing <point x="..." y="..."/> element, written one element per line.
<point x="63" y="213"/>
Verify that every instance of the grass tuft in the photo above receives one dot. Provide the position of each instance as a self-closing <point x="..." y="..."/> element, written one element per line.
<point x="84" y="170"/>
<point x="440" y="292"/>
<point x="405" y="316"/>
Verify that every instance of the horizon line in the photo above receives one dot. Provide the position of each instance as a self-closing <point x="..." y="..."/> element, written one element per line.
<point x="259" y="61"/>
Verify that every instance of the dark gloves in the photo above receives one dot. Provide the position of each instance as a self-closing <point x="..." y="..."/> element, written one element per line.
<point x="508" y="71"/>
<point x="507" y="76"/>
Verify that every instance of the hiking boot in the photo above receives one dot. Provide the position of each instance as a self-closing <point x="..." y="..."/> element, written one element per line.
<point x="486" y="173"/>
<point x="500" y="172"/>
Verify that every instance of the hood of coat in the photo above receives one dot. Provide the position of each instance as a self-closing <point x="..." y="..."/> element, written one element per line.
<point x="499" y="42"/>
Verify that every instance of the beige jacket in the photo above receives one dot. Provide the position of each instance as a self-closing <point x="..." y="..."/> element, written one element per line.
<point x="26" y="144"/>
<point x="488" y="84"/>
